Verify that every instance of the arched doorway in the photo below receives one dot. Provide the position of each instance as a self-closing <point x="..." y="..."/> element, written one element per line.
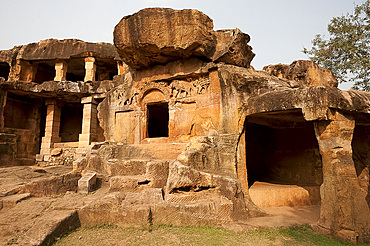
<point x="157" y="114"/>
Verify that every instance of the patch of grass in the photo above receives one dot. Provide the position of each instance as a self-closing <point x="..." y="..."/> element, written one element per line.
<point x="110" y="234"/>
<point x="305" y="234"/>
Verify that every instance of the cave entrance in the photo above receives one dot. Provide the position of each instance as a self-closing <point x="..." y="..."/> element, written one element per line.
<point x="22" y="117"/>
<point x="106" y="69"/>
<point x="157" y="120"/>
<point x="284" y="165"/>
<point x="361" y="152"/>
<point x="71" y="122"/>
<point x="4" y="70"/>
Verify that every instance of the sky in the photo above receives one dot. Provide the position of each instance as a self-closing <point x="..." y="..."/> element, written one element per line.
<point x="279" y="29"/>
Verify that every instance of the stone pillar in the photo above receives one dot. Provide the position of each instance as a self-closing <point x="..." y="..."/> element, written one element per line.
<point x="119" y="67"/>
<point x="89" y="122"/>
<point x="52" y="128"/>
<point x="60" y="71"/>
<point x="90" y="69"/>
<point x="241" y="165"/>
<point x="344" y="210"/>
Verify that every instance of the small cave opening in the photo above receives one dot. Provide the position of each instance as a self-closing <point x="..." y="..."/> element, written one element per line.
<point x="71" y="122"/>
<point x="4" y="70"/>
<point x="157" y="120"/>
<point x="76" y="70"/>
<point x="21" y="112"/>
<point x="361" y="157"/>
<point x="283" y="156"/>
<point x="45" y="72"/>
<point x="28" y="71"/>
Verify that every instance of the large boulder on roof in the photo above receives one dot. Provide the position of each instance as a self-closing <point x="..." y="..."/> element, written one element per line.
<point x="161" y="35"/>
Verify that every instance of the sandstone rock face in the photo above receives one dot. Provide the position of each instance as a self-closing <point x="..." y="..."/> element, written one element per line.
<point x="306" y="72"/>
<point x="158" y="36"/>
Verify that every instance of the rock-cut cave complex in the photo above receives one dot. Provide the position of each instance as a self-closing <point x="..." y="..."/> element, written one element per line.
<point x="172" y="125"/>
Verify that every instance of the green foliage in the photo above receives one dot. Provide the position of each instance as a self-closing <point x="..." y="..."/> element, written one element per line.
<point x="347" y="51"/>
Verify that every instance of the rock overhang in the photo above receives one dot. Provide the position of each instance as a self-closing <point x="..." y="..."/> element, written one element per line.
<point x="54" y="49"/>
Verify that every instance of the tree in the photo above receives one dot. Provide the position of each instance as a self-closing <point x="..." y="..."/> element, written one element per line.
<point x="347" y="51"/>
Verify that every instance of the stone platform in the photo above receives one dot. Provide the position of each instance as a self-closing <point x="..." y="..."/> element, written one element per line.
<point x="276" y="195"/>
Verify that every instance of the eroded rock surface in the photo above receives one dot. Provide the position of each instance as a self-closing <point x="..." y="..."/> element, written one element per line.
<point x="232" y="48"/>
<point x="306" y="72"/>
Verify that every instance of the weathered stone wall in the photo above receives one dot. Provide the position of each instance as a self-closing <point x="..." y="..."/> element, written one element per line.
<point x="193" y="104"/>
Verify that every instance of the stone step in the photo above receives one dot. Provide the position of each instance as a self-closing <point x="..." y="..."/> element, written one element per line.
<point x="7" y="202"/>
<point x="276" y="195"/>
<point x="66" y="145"/>
<point x="119" y="167"/>
<point x="127" y="183"/>
<point x="163" y="151"/>
<point x="156" y="171"/>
